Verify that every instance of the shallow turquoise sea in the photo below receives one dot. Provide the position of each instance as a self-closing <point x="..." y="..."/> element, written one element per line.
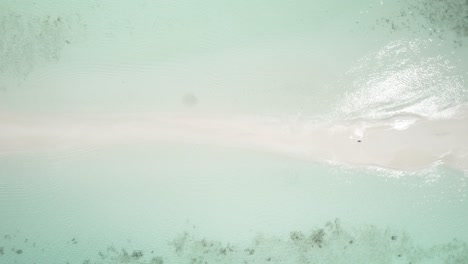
<point x="181" y="203"/>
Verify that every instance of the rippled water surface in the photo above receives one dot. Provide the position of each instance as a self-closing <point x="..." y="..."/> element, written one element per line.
<point x="153" y="203"/>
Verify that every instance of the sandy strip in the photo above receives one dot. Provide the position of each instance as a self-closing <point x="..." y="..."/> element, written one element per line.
<point x="404" y="142"/>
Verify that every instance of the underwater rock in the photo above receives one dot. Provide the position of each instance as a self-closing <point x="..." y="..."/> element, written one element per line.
<point x="190" y="100"/>
<point x="331" y="243"/>
<point x="250" y="251"/>
<point x="136" y="254"/>
<point x="29" y="41"/>
<point x="318" y="237"/>
<point x="157" y="260"/>
<point x="296" y="236"/>
<point x="445" y="20"/>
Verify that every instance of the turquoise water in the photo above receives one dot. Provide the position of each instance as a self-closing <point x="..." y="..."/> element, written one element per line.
<point x="174" y="203"/>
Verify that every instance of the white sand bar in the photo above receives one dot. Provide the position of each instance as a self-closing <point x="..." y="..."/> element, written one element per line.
<point x="404" y="142"/>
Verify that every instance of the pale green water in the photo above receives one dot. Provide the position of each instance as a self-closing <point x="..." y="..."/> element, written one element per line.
<point x="199" y="204"/>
